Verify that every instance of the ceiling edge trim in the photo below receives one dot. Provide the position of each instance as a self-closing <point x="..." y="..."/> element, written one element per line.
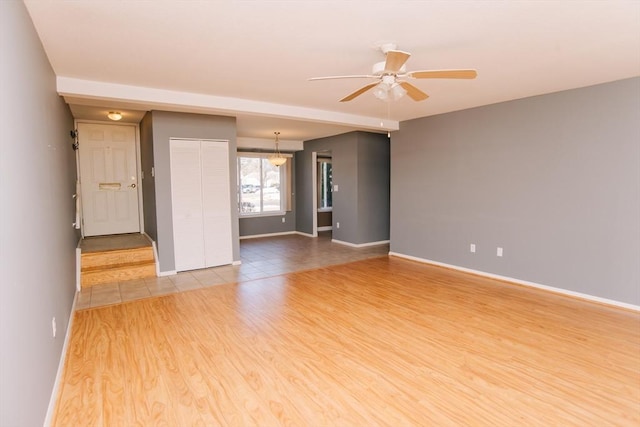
<point x="268" y="144"/>
<point x="151" y="98"/>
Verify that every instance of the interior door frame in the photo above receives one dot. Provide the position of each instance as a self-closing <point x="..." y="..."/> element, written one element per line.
<point x="138" y="167"/>
<point x="314" y="192"/>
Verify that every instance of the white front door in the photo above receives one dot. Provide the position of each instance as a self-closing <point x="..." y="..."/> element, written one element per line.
<point x="108" y="179"/>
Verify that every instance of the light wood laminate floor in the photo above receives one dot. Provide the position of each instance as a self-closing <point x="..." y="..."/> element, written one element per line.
<point x="378" y="342"/>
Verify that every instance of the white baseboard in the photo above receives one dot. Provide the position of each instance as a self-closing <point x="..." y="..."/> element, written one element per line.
<point x="236" y="263"/>
<point x="63" y="358"/>
<point x="305" y="234"/>
<point x="155" y="254"/>
<point x="167" y="273"/>
<point x="580" y="295"/>
<point x="78" y="268"/>
<point x="327" y="228"/>
<point x="360" y="245"/>
<point x="255" y="236"/>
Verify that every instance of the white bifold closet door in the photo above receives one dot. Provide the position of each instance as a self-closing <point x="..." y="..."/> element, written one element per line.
<point x="201" y="203"/>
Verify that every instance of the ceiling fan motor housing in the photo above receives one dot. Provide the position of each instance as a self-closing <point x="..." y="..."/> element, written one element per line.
<point x="378" y="68"/>
<point x="386" y="47"/>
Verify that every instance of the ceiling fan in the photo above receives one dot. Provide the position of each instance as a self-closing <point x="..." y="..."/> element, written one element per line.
<point x="391" y="76"/>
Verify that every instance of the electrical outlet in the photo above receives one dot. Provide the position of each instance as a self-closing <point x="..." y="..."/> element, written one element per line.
<point x="472" y="248"/>
<point x="54" y="329"/>
<point x="284" y="219"/>
<point x="337" y="225"/>
<point x="499" y="252"/>
<point x="335" y="187"/>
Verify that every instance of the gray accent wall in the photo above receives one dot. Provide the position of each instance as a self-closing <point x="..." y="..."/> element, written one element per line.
<point x="267" y="224"/>
<point x="324" y="219"/>
<point x="373" y="187"/>
<point x="552" y="179"/>
<point x="164" y="126"/>
<point x="148" y="180"/>
<point x="37" y="240"/>
<point x="360" y="165"/>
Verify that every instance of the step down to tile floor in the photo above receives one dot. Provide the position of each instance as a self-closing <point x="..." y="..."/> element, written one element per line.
<point x="116" y="265"/>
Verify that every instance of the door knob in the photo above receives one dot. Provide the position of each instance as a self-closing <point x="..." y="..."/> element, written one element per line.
<point x="132" y="186"/>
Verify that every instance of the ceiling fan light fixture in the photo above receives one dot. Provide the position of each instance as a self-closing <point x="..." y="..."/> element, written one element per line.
<point x="381" y="91"/>
<point x="397" y="92"/>
<point x="114" y="115"/>
<point x="277" y="159"/>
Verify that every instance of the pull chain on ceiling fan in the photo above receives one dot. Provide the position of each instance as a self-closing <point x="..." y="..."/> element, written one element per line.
<point x="391" y="76"/>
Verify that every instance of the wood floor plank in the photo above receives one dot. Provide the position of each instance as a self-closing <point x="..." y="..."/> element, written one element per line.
<point x="383" y="341"/>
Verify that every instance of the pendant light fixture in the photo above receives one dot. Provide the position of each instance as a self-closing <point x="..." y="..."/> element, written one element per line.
<point x="277" y="159"/>
<point x="114" y="115"/>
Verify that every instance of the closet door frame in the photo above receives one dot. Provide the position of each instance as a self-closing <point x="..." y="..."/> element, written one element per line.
<point x="216" y="200"/>
<point x="202" y="231"/>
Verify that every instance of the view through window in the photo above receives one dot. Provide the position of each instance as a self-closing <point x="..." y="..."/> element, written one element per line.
<point x="259" y="186"/>
<point x="325" y="183"/>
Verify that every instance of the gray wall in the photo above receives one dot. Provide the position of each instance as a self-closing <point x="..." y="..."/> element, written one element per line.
<point x="37" y="241"/>
<point x="360" y="165"/>
<point x="553" y="179"/>
<point x="167" y="125"/>
<point x="325" y="219"/>
<point x="148" y="180"/>
<point x="267" y="224"/>
<point x="373" y="187"/>
<point x="343" y="150"/>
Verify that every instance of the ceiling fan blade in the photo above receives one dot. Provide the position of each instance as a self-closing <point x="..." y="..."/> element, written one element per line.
<point x="413" y="92"/>
<point x="356" y="76"/>
<point x="395" y="61"/>
<point x="359" y="92"/>
<point x="443" y="74"/>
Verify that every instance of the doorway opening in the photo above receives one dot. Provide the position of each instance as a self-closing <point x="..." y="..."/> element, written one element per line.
<point x="110" y="193"/>
<point x="322" y="183"/>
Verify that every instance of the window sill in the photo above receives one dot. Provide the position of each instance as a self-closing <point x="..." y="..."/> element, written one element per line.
<point x="262" y="215"/>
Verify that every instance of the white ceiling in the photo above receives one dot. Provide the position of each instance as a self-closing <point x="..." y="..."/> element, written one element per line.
<point x="252" y="59"/>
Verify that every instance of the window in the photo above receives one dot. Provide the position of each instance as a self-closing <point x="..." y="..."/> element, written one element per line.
<point x="260" y="185"/>
<point x="325" y="184"/>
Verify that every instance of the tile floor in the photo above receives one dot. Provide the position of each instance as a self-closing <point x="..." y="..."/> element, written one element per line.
<point x="122" y="241"/>
<point x="262" y="257"/>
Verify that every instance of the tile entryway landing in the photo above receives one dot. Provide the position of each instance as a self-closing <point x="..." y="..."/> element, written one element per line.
<point x="117" y="242"/>
<point x="261" y="257"/>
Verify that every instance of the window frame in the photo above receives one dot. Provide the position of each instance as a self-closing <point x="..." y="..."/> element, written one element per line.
<point x="284" y="175"/>
<point x="320" y="161"/>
